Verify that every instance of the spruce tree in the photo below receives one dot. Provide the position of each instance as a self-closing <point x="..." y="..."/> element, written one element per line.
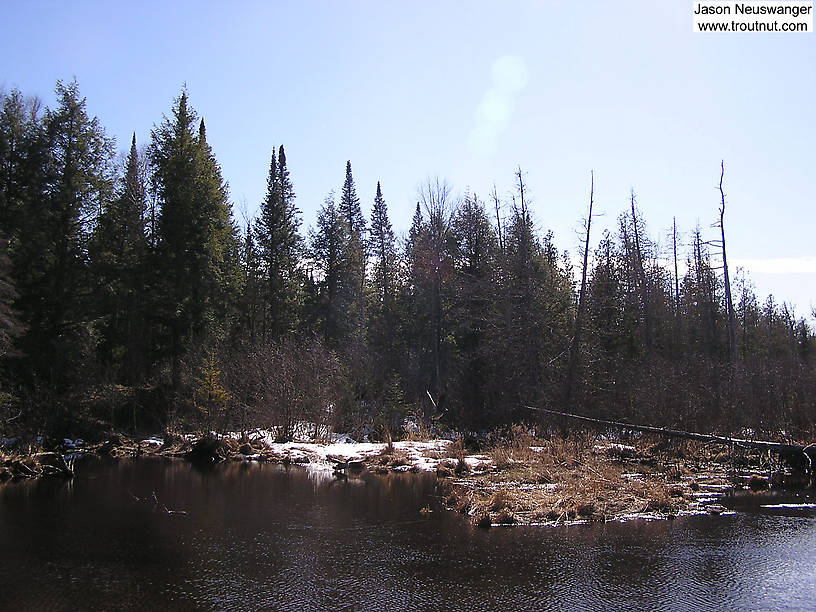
<point x="281" y="247"/>
<point x="195" y="267"/>
<point x="349" y="207"/>
<point x="384" y="251"/>
<point x="80" y="184"/>
<point x="383" y="332"/>
<point x="328" y="242"/>
<point x="120" y="254"/>
<point x="352" y="286"/>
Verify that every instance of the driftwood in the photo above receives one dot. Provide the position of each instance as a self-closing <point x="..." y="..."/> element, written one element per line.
<point x="799" y="457"/>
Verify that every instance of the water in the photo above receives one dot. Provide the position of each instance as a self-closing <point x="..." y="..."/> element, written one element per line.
<point x="266" y="537"/>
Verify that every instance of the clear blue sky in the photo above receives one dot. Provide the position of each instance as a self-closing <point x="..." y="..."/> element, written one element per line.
<point x="466" y="91"/>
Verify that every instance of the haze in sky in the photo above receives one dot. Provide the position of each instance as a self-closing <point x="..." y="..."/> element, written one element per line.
<point x="468" y="92"/>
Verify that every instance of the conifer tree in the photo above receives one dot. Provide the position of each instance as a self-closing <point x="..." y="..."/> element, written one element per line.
<point x="349" y="206"/>
<point x="120" y="254"/>
<point x="80" y="182"/>
<point x="196" y="236"/>
<point x="473" y="313"/>
<point x="352" y="285"/>
<point x="383" y="341"/>
<point x="280" y="249"/>
<point x="384" y="251"/>
<point x="328" y="242"/>
<point x="10" y="325"/>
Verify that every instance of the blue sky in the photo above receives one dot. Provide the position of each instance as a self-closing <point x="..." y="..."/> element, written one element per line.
<point x="466" y="91"/>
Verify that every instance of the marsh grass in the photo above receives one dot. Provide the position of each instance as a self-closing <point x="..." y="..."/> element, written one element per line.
<point x="560" y="479"/>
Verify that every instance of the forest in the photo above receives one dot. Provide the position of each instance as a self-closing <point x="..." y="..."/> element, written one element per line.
<point x="132" y="299"/>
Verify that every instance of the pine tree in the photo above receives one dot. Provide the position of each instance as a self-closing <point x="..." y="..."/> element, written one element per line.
<point x="25" y="218"/>
<point x="280" y="249"/>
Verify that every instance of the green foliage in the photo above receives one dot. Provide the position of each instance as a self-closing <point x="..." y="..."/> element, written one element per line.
<point x="113" y="276"/>
<point x="196" y="267"/>
<point x="280" y="251"/>
<point x="210" y="397"/>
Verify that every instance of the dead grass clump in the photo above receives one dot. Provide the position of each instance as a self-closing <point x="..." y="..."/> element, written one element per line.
<point x="500" y="501"/>
<point x="660" y="502"/>
<point x="677" y="472"/>
<point x="461" y="467"/>
<point x="501" y="457"/>
<point x="443" y="471"/>
<point x="397" y="460"/>
<point x="420" y="433"/>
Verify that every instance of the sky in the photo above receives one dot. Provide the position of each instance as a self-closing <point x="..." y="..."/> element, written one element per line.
<point x="466" y="91"/>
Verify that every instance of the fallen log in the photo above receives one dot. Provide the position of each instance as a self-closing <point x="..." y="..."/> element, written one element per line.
<point x="799" y="457"/>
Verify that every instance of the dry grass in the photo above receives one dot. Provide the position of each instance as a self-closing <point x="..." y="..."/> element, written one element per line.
<point x="561" y="479"/>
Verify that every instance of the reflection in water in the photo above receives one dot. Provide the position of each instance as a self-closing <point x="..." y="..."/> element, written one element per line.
<point x="263" y="536"/>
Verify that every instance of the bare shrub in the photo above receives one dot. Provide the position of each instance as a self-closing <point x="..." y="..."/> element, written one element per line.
<point x="286" y="384"/>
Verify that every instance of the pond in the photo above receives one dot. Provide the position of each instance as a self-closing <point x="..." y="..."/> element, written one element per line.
<point x="159" y="534"/>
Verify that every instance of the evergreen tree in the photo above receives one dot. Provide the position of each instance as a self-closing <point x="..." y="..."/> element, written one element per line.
<point x="120" y="254"/>
<point x="280" y="249"/>
<point x="353" y="283"/>
<point x="473" y="313"/>
<point x="80" y="183"/>
<point x="10" y="325"/>
<point x="383" y="248"/>
<point x="250" y="310"/>
<point x="196" y="269"/>
<point x="328" y="243"/>
<point x="25" y="217"/>
<point x="349" y="207"/>
<point x="383" y="340"/>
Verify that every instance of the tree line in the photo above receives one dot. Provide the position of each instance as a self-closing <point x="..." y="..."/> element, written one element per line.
<point x="130" y="294"/>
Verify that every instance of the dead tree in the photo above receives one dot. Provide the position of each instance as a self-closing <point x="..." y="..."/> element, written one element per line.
<point x="732" y="320"/>
<point x="641" y="279"/>
<point x="579" y="315"/>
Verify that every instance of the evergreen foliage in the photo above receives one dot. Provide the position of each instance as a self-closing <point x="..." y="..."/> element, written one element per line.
<point x="137" y="276"/>
<point x="280" y="246"/>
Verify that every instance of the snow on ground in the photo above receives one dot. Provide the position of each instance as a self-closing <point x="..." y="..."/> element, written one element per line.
<point x="424" y="455"/>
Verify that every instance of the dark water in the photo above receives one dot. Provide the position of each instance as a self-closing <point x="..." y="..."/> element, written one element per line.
<point x="263" y="537"/>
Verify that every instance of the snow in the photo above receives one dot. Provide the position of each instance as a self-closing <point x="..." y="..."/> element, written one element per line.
<point x="791" y="506"/>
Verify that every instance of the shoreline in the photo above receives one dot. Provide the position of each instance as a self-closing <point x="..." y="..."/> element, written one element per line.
<point x="521" y="481"/>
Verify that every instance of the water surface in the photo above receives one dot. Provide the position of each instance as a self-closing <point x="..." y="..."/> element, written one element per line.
<point x="159" y="534"/>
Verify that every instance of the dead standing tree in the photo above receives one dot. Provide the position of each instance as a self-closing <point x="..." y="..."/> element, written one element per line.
<point x="732" y="320"/>
<point x="579" y="316"/>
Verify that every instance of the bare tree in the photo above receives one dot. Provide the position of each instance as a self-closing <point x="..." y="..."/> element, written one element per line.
<point x="732" y="319"/>
<point x="434" y="195"/>
<point x="579" y="316"/>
